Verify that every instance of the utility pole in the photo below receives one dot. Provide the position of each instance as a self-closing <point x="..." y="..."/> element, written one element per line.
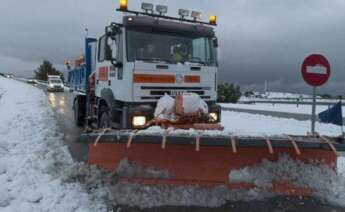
<point x="265" y="88"/>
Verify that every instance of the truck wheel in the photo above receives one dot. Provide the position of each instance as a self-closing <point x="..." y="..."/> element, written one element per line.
<point x="105" y="118"/>
<point x="78" y="115"/>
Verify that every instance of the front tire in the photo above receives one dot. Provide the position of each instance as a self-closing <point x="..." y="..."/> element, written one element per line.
<point x="79" y="116"/>
<point x="105" y="118"/>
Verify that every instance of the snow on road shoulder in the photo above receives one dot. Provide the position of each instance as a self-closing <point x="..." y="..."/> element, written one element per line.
<point x="33" y="156"/>
<point x="245" y="124"/>
<point x="261" y="125"/>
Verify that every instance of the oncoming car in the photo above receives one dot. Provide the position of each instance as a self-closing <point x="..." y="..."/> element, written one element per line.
<point x="55" y="85"/>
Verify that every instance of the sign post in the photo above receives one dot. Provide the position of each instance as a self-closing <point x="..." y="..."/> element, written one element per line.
<point x="313" y="112"/>
<point x="316" y="71"/>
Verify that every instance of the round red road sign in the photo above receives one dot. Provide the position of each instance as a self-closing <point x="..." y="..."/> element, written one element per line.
<point x="316" y="70"/>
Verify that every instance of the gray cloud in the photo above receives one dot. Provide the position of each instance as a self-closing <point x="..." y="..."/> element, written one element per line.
<point x="260" y="40"/>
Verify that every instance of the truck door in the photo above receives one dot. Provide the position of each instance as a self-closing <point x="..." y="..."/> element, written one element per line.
<point x="103" y="65"/>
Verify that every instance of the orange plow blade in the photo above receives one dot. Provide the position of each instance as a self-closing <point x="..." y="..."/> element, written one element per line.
<point x="205" y="160"/>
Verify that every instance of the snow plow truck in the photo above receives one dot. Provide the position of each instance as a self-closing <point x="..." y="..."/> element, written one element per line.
<point x="146" y="94"/>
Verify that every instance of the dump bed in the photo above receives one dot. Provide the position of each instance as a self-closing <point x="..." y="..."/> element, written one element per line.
<point x="79" y="75"/>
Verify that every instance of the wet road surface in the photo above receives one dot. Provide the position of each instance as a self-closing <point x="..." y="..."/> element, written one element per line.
<point x="61" y="104"/>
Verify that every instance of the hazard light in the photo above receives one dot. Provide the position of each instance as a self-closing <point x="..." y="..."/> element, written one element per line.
<point x="213" y="19"/>
<point x="123" y="4"/>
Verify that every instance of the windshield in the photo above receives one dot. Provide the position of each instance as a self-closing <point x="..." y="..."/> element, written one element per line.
<point x="169" y="48"/>
<point x="55" y="81"/>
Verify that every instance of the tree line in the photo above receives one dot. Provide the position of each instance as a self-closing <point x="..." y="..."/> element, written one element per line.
<point x="45" y="69"/>
<point x="229" y="93"/>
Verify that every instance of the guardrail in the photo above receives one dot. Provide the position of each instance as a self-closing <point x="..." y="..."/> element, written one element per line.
<point x="273" y="102"/>
<point x="297" y="116"/>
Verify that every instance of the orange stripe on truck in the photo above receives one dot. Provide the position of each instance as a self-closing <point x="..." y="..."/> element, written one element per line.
<point x="192" y="79"/>
<point x="153" y="78"/>
<point x="103" y="73"/>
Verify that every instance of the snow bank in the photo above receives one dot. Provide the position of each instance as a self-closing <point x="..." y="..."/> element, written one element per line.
<point x="323" y="180"/>
<point x="33" y="156"/>
<point x="132" y="170"/>
<point x="154" y="196"/>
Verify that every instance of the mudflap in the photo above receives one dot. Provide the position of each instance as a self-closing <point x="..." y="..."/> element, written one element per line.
<point x="206" y="161"/>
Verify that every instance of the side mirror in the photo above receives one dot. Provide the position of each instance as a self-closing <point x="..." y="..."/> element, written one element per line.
<point x="112" y="52"/>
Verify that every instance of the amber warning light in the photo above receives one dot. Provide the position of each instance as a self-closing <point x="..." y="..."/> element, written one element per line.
<point x="123" y="4"/>
<point x="213" y="19"/>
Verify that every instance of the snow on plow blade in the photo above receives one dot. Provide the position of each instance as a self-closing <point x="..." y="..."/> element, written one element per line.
<point x="182" y="160"/>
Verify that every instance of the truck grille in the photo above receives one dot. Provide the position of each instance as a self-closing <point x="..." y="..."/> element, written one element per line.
<point x="171" y="93"/>
<point x="158" y="92"/>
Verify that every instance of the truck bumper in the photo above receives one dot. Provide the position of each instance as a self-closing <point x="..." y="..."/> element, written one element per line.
<point x="147" y="111"/>
<point x="55" y="89"/>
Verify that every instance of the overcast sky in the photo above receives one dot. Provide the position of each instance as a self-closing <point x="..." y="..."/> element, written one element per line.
<point x="259" y="39"/>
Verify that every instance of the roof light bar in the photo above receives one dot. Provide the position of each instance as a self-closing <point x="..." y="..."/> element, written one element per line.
<point x="162" y="9"/>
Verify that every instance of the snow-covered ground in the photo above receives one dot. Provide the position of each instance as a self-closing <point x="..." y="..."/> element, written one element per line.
<point x="33" y="156"/>
<point x="260" y="125"/>
<point x="288" y="108"/>
<point x="276" y="95"/>
<point x="280" y="96"/>
<point x="245" y="124"/>
<point x="37" y="172"/>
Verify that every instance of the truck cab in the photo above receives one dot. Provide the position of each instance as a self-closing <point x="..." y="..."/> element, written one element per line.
<point x="136" y="62"/>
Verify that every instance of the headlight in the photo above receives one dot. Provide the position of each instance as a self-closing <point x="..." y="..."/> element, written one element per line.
<point x="51" y="85"/>
<point x="214" y="116"/>
<point x="139" y="121"/>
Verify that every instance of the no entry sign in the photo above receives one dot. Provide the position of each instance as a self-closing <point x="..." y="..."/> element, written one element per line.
<point x="316" y="70"/>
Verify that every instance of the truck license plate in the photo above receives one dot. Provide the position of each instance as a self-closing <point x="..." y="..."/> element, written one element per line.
<point x="175" y="93"/>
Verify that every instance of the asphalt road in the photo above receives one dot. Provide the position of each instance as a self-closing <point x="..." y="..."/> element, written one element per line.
<point x="61" y="104"/>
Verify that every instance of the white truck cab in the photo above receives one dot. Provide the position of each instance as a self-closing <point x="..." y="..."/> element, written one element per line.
<point x="146" y="56"/>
